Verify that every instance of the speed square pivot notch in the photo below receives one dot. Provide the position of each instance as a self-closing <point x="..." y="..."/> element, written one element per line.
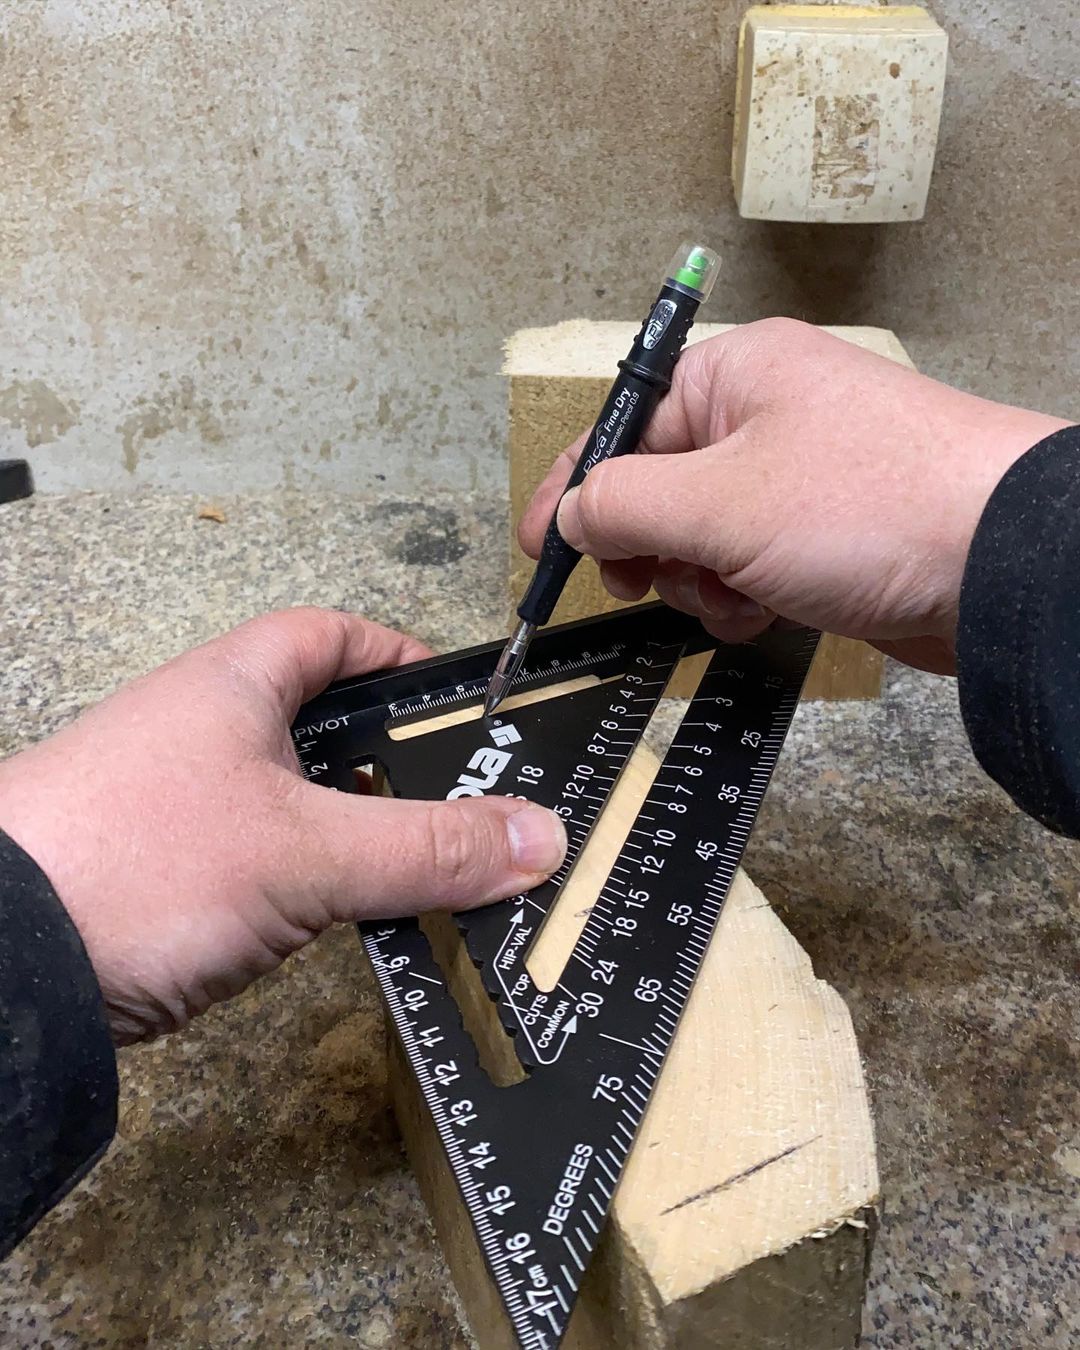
<point x="534" y="1068"/>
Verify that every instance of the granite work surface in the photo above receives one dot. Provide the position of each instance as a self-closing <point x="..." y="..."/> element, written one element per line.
<point x="257" y="1194"/>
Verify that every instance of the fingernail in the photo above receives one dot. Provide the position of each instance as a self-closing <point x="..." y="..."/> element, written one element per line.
<point x="537" y="839"/>
<point x="568" y="520"/>
<point x="688" y="594"/>
<point x="736" y="609"/>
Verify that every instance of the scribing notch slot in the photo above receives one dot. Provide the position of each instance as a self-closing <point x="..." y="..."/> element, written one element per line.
<point x="406" y="730"/>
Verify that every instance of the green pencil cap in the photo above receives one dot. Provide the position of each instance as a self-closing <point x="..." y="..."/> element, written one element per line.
<point x="695" y="267"/>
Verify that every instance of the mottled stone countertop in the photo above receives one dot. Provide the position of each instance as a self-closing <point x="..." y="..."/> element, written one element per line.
<point x="257" y="1194"/>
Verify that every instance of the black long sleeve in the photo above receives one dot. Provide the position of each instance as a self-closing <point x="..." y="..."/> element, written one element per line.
<point x="1018" y="641"/>
<point x="1018" y="655"/>
<point x="58" y="1084"/>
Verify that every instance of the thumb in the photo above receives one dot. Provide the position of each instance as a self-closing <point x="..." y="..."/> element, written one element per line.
<point x="703" y="507"/>
<point x="369" y="857"/>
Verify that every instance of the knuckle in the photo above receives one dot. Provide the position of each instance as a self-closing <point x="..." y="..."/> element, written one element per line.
<point x="594" y="500"/>
<point x="780" y="332"/>
<point x="273" y="651"/>
<point x="296" y="616"/>
<point x="458" y="849"/>
<point x="563" y="467"/>
<point x="780" y="344"/>
<point x="566" y="462"/>
<point x="702" y="369"/>
<point x="697" y="366"/>
<point x="299" y="626"/>
<point x="330" y="630"/>
<point x="319" y="625"/>
<point x="771" y="356"/>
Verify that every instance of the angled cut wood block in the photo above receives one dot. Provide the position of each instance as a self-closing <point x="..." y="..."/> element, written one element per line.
<point x="558" y="379"/>
<point x="746" y="1212"/>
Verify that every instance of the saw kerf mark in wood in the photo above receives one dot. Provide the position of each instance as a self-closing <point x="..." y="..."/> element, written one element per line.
<point x="741" y="1176"/>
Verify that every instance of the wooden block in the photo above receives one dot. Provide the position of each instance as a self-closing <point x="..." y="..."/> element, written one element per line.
<point x="558" y="380"/>
<point x="844" y="669"/>
<point x="746" y="1212"/>
<point x="836" y="111"/>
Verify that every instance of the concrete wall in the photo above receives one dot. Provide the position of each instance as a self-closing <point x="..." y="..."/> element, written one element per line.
<point x="281" y="241"/>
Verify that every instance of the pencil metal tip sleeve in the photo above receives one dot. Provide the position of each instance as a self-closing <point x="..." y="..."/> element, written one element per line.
<point x="644" y="378"/>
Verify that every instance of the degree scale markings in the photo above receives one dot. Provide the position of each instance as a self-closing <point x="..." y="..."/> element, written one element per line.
<point x="538" y="1162"/>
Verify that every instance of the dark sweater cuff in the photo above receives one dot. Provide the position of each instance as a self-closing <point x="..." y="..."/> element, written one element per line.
<point x="58" y="1083"/>
<point x="1018" y="640"/>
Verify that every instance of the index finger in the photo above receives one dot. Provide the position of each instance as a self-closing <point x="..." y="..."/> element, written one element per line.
<point x="691" y="415"/>
<point x="538" y="513"/>
<point x="296" y="653"/>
